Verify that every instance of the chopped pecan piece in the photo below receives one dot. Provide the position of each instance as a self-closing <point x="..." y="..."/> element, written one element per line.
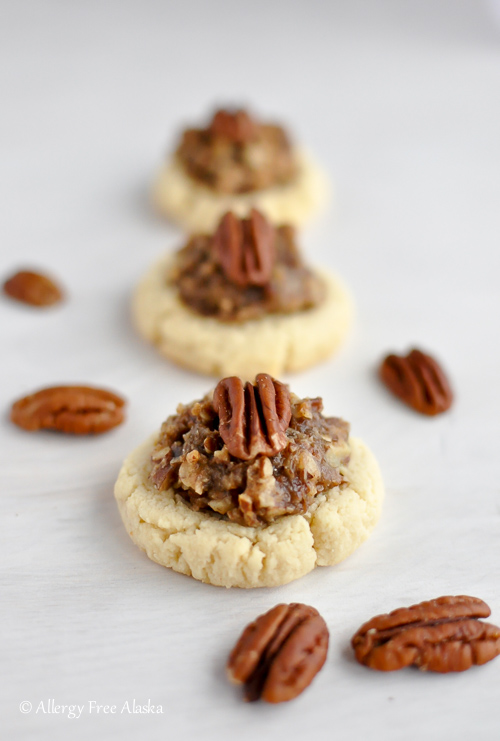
<point x="77" y="410"/>
<point x="32" y="288"/>
<point x="235" y="125"/>
<point x="253" y="419"/>
<point x="418" y="380"/>
<point x="280" y="653"/>
<point x="245" y="248"/>
<point x="442" y="635"/>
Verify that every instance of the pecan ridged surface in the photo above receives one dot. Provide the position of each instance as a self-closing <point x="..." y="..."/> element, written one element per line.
<point x="246" y="248"/>
<point x="280" y="653"/>
<point x="76" y="410"/>
<point x="442" y="635"/>
<point x="253" y="419"/>
<point x="237" y="126"/>
<point x="418" y="380"/>
<point x="32" y="288"/>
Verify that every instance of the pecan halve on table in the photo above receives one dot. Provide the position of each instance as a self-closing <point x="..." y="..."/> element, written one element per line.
<point x="442" y="635"/>
<point x="280" y="653"/>
<point x="253" y="419"/>
<point x="76" y="410"/>
<point x="418" y="380"/>
<point x="33" y="288"/>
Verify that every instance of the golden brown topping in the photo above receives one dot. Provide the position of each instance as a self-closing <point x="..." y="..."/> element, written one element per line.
<point x="203" y="285"/>
<point x="32" y="288"/>
<point x="190" y="457"/>
<point x="442" y="635"/>
<point x="235" y="125"/>
<point x="253" y="419"/>
<point x="280" y="653"/>
<point x="418" y="380"/>
<point x="245" y="248"/>
<point x="77" y="410"/>
<point x="236" y="153"/>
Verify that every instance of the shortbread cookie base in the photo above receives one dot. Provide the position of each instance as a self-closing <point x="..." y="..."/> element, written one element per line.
<point x="274" y="344"/>
<point x="198" y="209"/>
<point x="216" y="551"/>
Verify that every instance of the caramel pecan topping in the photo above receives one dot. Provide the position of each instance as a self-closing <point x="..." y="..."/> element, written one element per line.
<point x="253" y="419"/>
<point x="418" y="380"/>
<point x="32" y="288"/>
<point x="246" y="248"/>
<point x="280" y="653"/>
<point x="190" y="457"/>
<point x="443" y="635"/>
<point x="77" y="410"/>
<point x="237" y="126"/>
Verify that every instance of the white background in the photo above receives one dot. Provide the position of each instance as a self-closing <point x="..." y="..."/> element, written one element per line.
<point x="401" y="102"/>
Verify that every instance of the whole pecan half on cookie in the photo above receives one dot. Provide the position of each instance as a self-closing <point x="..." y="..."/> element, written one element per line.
<point x="236" y="125"/>
<point x="280" y="653"/>
<point x="32" y="288"/>
<point x="418" y="380"/>
<point x="253" y="419"/>
<point x="76" y="410"/>
<point x="246" y="248"/>
<point x="442" y="635"/>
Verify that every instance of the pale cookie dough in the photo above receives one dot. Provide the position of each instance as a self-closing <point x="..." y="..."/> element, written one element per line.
<point x="217" y="551"/>
<point x="199" y="209"/>
<point x="275" y="344"/>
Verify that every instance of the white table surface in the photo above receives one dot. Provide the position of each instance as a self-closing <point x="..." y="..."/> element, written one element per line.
<point x="401" y="101"/>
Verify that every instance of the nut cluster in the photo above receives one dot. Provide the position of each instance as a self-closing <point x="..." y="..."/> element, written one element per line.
<point x="418" y="380"/>
<point x="280" y="653"/>
<point x="442" y="635"/>
<point x="253" y="419"/>
<point x="246" y="248"/>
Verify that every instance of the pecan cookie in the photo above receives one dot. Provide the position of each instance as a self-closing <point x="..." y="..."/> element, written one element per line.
<point x="242" y="301"/>
<point x="236" y="163"/>
<point x="250" y="487"/>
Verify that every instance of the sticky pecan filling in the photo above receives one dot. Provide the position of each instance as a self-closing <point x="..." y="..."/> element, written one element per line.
<point x="204" y="286"/>
<point x="191" y="457"/>
<point x="236" y="154"/>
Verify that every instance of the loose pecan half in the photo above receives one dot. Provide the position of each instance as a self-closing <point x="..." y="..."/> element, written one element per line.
<point x="418" y="380"/>
<point x="77" y="410"/>
<point x="32" y="288"/>
<point x="280" y="653"/>
<point x="235" y="125"/>
<point x="253" y="419"/>
<point x="443" y="635"/>
<point x="246" y="248"/>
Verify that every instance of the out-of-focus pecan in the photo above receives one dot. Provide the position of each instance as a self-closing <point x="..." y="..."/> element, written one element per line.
<point x="442" y="635"/>
<point x="253" y="419"/>
<point x="418" y="380"/>
<point x="32" y="288"/>
<point x="237" y="126"/>
<point x="77" y="410"/>
<point x="246" y="248"/>
<point x="280" y="653"/>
